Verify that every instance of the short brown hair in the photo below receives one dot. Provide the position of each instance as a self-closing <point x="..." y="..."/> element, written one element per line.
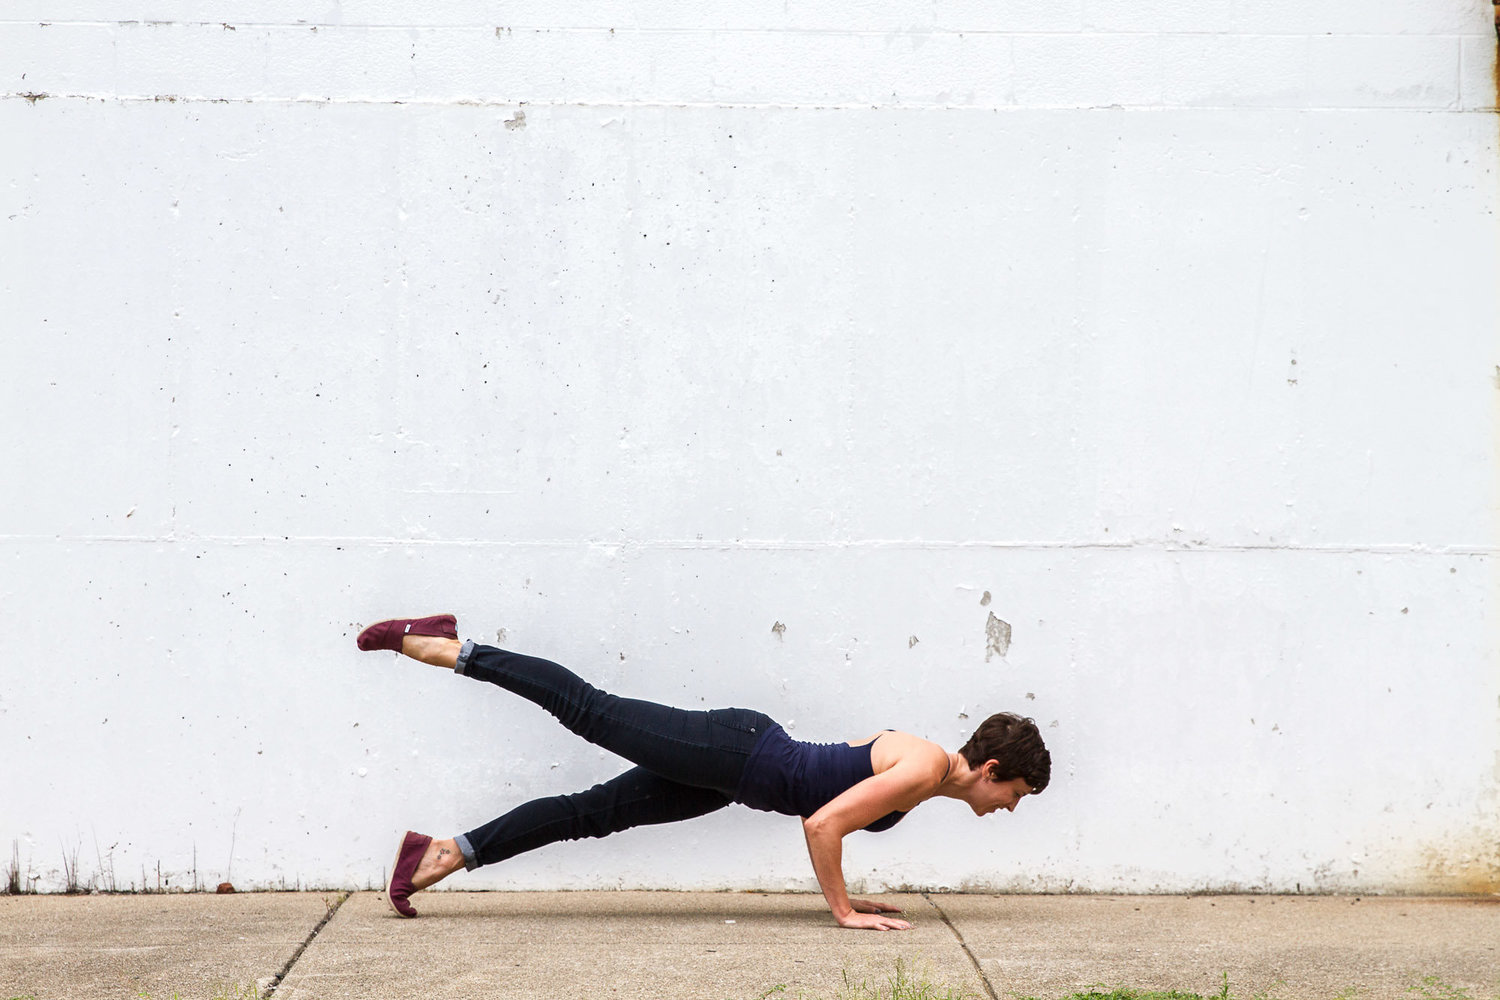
<point x="1016" y="745"/>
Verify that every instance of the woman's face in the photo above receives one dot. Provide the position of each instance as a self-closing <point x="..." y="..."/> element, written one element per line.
<point x="990" y="795"/>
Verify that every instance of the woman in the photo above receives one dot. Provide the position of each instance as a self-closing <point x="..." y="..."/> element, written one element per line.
<point x="689" y="763"/>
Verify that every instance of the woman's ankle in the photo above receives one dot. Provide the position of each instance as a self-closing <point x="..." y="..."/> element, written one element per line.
<point x="441" y="859"/>
<point x="434" y="649"/>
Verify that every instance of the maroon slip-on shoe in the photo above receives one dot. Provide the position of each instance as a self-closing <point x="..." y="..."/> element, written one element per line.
<point x="399" y="889"/>
<point x="387" y="634"/>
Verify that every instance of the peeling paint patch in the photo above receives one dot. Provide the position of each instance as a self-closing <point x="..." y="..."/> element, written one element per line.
<point x="911" y="641"/>
<point x="519" y="121"/>
<point x="996" y="637"/>
<point x="32" y="98"/>
<point x="779" y="629"/>
<point x="984" y="601"/>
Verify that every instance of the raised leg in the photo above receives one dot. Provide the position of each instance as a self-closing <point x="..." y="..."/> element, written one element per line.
<point x="704" y="749"/>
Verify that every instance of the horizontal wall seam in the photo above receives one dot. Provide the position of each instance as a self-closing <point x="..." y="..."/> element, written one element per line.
<point x="620" y="29"/>
<point x="757" y="545"/>
<point x="495" y="102"/>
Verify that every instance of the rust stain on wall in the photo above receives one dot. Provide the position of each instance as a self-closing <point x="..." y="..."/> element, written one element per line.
<point x="1465" y="861"/>
<point x="1474" y="872"/>
<point x="1461" y="864"/>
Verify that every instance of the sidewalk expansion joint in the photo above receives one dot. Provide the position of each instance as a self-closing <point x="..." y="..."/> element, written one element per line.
<point x="270" y="989"/>
<point x="978" y="970"/>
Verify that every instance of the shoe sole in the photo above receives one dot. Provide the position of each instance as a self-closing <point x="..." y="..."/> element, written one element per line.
<point x="400" y="846"/>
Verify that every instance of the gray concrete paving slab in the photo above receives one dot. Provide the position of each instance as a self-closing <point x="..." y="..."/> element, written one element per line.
<point x="738" y="946"/>
<point x="1288" y="947"/>
<point x="679" y="946"/>
<point x="192" y="945"/>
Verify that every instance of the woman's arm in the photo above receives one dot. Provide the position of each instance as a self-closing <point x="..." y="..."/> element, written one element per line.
<point x="826" y="851"/>
<point x="909" y="781"/>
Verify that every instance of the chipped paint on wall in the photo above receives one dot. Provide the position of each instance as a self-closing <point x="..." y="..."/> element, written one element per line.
<point x="996" y="637"/>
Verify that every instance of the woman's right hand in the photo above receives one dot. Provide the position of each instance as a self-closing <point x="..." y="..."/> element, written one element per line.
<point x="873" y="922"/>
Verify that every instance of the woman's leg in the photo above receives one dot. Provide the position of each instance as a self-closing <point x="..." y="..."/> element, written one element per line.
<point x="689" y="762"/>
<point x="702" y="749"/>
<point x="636" y="798"/>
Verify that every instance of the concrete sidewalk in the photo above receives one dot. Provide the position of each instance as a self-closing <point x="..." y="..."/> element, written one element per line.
<point x="737" y="946"/>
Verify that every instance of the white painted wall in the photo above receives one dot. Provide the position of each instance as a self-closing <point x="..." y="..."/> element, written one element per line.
<point x="631" y="330"/>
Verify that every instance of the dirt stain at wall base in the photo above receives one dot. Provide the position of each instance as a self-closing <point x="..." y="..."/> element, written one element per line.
<point x="1460" y="868"/>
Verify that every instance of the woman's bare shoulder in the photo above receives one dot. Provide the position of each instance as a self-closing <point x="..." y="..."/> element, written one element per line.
<point x="892" y="748"/>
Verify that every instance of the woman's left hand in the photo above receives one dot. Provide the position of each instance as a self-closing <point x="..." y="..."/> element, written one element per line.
<point x="870" y="906"/>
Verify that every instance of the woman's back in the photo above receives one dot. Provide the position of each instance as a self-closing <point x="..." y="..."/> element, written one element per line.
<point x="798" y="778"/>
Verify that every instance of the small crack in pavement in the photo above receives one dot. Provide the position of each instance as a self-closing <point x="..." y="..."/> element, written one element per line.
<point x="276" y="980"/>
<point x="965" y="946"/>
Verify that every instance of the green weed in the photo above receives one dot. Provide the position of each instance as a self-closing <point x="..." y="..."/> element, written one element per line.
<point x="1430" y="988"/>
<point x="1433" y="988"/>
<point x="902" y="985"/>
<point x="1125" y="993"/>
<point x="225" y="991"/>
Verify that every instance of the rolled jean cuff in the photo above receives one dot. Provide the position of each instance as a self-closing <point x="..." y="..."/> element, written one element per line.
<point x="465" y="848"/>
<point x="462" y="666"/>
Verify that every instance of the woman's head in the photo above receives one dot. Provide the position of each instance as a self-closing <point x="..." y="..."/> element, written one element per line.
<point x="1016" y="746"/>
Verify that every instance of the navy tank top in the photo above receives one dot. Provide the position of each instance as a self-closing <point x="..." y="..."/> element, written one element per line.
<point x="788" y="776"/>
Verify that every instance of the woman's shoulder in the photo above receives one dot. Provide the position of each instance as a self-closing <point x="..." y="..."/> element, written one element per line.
<point x="893" y="747"/>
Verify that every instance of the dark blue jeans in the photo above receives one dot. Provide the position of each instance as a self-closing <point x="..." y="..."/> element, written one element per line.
<point x="688" y="763"/>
